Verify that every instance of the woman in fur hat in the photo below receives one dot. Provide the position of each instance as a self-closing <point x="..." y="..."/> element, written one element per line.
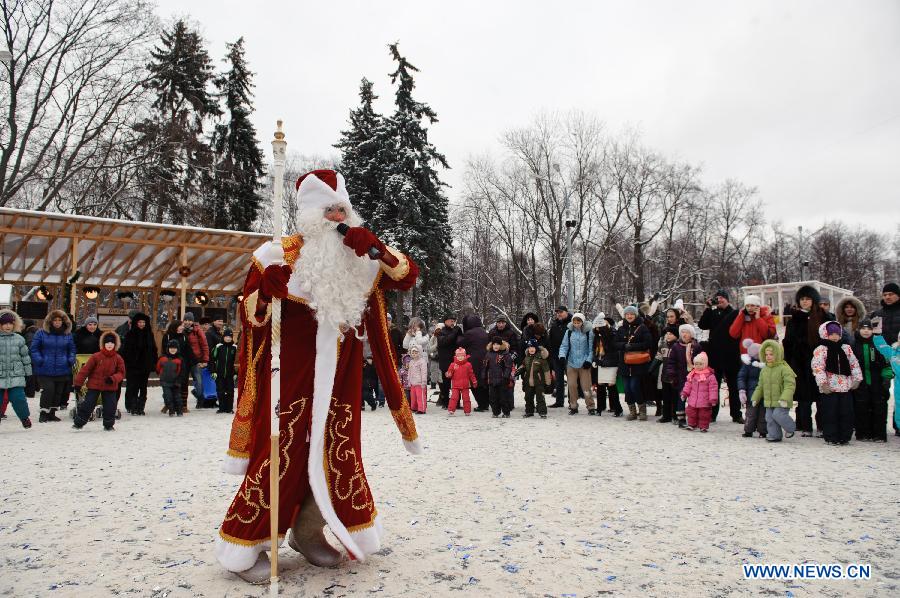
<point x="850" y="312"/>
<point x="52" y="357"/>
<point x="140" y="354"/>
<point x="800" y="339"/>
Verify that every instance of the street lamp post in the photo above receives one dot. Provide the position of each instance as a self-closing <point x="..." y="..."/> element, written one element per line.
<point x="568" y="262"/>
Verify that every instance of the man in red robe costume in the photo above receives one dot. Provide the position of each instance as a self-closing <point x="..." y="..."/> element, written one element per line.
<point x="332" y="297"/>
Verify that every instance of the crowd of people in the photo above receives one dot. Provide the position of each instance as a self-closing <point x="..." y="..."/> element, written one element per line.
<point x="92" y="366"/>
<point x="836" y="368"/>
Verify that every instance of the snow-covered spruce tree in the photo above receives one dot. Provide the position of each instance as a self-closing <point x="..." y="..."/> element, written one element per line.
<point x="413" y="210"/>
<point x="173" y="178"/>
<point x="362" y="148"/>
<point x="235" y="183"/>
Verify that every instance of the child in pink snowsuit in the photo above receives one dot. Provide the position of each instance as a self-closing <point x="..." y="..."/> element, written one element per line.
<point x="462" y="377"/>
<point x="701" y="393"/>
<point x="417" y="371"/>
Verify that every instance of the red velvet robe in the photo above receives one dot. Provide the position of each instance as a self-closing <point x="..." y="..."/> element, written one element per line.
<point x="321" y="379"/>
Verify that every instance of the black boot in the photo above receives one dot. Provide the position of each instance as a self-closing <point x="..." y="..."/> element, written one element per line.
<point x="43" y="417"/>
<point x="573" y="411"/>
<point x="51" y="417"/>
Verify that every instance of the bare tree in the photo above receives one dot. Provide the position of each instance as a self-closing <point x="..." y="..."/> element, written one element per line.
<point x="73" y="88"/>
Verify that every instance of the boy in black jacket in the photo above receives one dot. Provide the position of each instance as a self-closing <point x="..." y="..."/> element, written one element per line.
<point x="870" y="399"/>
<point x="498" y="372"/>
<point x="224" y="358"/>
<point x="370" y="383"/>
<point x="169" y="368"/>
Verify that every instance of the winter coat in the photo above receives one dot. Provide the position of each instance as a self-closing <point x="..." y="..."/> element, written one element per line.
<point x="836" y="382"/>
<point x="417" y="371"/>
<point x="701" y="389"/>
<point x="577" y="346"/>
<point x="675" y="370"/>
<point x="723" y="350"/>
<point x="850" y="325"/>
<point x="757" y="328"/>
<point x="875" y="366"/>
<point x="446" y="345"/>
<point x="139" y="347"/>
<point x="397" y="342"/>
<point x="663" y="348"/>
<point x="213" y="338"/>
<point x="890" y="320"/>
<point x="800" y="338"/>
<point x="748" y="376"/>
<point x="535" y="369"/>
<point x="86" y="342"/>
<point x="507" y="334"/>
<point x="105" y="370"/>
<point x="15" y="359"/>
<point x="184" y="353"/>
<point x="474" y="339"/>
<point x="461" y="374"/>
<point x="633" y="337"/>
<point x="605" y="354"/>
<point x="556" y="333"/>
<point x="370" y="375"/>
<point x="197" y="343"/>
<point x="892" y="352"/>
<point x="777" y="380"/>
<point x="498" y="366"/>
<point x="169" y="370"/>
<point x="223" y="360"/>
<point x="418" y="339"/>
<point x="53" y="353"/>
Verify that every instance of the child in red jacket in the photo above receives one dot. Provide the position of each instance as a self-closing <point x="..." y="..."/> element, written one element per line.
<point x="462" y="377"/>
<point x="700" y="393"/>
<point x="103" y="373"/>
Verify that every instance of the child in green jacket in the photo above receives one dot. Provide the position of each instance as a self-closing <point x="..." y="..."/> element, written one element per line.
<point x="536" y="376"/>
<point x="777" y="383"/>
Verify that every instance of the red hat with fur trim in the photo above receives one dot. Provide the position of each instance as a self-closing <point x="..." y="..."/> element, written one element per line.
<point x="321" y="189"/>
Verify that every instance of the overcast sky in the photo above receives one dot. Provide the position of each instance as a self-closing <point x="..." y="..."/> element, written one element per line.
<point x="801" y="99"/>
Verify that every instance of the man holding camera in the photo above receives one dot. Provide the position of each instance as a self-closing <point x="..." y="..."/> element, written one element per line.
<point x="723" y="350"/>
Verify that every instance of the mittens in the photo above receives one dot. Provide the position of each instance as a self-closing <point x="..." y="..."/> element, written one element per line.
<point x="274" y="283"/>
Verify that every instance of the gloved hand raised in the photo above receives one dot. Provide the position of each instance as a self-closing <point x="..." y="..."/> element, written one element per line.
<point x="274" y="283"/>
<point x="360" y="239"/>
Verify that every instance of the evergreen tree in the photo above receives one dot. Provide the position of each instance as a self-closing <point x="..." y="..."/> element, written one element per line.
<point x="173" y="178"/>
<point x="361" y="150"/>
<point x="235" y="198"/>
<point x="413" y="210"/>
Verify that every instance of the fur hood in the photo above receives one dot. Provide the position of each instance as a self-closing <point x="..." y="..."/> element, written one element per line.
<point x="115" y="336"/>
<point x="58" y="313"/>
<point x="776" y="346"/>
<point x="504" y="345"/>
<point x="543" y="353"/>
<point x="140" y="316"/>
<point x="18" y="326"/>
<point x="839" y="310"/>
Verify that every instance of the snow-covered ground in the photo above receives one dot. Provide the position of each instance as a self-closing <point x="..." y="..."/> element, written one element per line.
<point x="568" y="506"/>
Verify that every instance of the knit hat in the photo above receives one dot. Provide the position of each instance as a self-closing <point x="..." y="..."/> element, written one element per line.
<point x="188" y="316"/>
<point x="865" y="323"/>
<point x="631" y="309"/>
<point x="721" y="293"/>
<point x="90" y="320"/>
<point x="414" y="349"/>
<point x="532" y="342"/>
<point x="460" y="352"/>
<point x="173" y="344"/>
<point x="501" y="319"/>
<point x="752" y="300"/>
<point x="7" y="318"/>
<point x="833" y="328"/>
<point x="701" y="360"/>
<point x="497" y="340"/>
<point x="891" y="287"/>
<point x="671" y="329"/>
<point x="752" y="348"/>
<point x="579" y="316"/>
<point x="227" y="332"/>
<point x="562" y="308"/>
<point x="686" y="328"/>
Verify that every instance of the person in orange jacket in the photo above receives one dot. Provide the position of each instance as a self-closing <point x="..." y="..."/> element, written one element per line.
<point x="102" y="373"/>
<point x="754" y="322"/>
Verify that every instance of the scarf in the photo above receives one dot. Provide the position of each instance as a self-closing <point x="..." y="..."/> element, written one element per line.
<point x="700" y="374"/>
<point x="836" y="362"/>
<point x="689" y="356"/>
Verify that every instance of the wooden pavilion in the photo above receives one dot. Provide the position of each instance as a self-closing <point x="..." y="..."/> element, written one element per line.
<point x="102" y="265"/>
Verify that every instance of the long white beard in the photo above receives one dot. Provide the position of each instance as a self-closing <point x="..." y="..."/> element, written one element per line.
<point x="335" y="281"/>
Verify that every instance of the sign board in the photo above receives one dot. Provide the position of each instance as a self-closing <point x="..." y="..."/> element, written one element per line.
<point x="111" y="318"/>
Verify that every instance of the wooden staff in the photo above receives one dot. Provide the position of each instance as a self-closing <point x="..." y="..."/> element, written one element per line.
<point x="279" y="147"/>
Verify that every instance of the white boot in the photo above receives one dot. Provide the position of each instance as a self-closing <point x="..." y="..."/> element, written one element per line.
<point x="260" y="573"/>
<point x="308" y="538"/>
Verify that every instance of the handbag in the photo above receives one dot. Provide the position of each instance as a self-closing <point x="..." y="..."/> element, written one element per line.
<point x="636" y="357"/>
